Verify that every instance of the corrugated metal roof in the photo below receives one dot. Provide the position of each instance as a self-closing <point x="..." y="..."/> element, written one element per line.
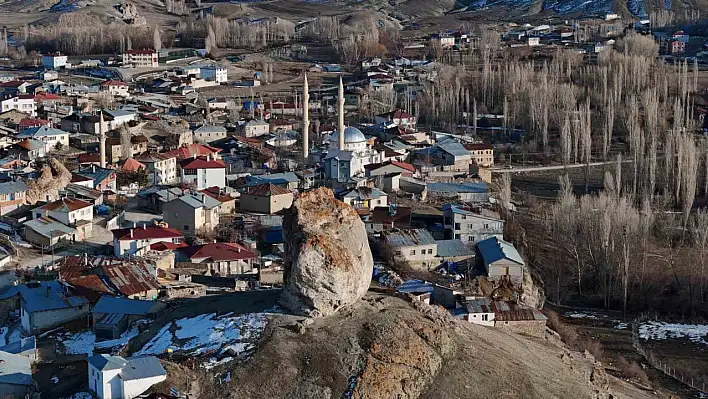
<point x="454" y="148"/>
<point x="131" y="279"/>
<point x="469" y="187"/>
<point x="49" y="228"/>
<point x="200" y="200"/>
<point x="110" y="304"/>
<point x="453" y="249"/>
<point x="267" y="190"/>
<point x="47" y="295"/>
<point x="111" y="318"/>
<point x="493" y="249"/>
<point x="365" y="193"/>
<point x="15" y="369"/>
<point x="41" y="131"/>
<point x="107" y="362"/>
<point x="409" y="238"/>
<point x="415" y="287"/>
<point x="138" y="368"/>
<point x="24" y="345"/>
<point x="13" y="187"/>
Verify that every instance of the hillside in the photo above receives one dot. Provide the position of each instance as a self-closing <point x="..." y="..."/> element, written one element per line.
<point x="386" y="347"/>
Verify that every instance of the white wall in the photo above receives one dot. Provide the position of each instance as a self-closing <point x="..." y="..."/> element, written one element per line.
<point x="206" y="178"/>
<point x="133" y="388"/>
<point x="477" y="318"/>
<point x="52" y="318"/>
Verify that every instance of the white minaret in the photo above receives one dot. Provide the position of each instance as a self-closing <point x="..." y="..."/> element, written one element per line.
<point x="341" y="114"/>
<point x="305" y="119"/>
<point x="102" y="140"/>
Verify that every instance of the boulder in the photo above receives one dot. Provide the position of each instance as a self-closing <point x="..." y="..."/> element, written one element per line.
<point x="328" y="262"/>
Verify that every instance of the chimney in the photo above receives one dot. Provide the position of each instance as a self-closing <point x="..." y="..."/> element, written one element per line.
<point x="131" y="233"/>
<point x="85" y="259"/>
<point x="194" y="156"/>
<point x="93" y="168"/>
<point x="135" y="225"/>
<point x="144" y="226"/>
<point x="49" y="290"/>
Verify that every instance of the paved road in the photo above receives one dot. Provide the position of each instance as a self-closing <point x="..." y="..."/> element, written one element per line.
<point x="523" y="169"/>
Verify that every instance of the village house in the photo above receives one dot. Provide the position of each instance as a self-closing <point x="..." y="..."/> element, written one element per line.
<point x="48" y="233"/>
<point x="28" y="150"/>
<point x="415" y="246"/>
<point x="115" y="377"/>
<point x="15" y="376"/>
<point x="286" y="180"/>
<point x="465" y="191"/>
<point x="461" y="223"/>
<point x="386" y="168"/>
<point x="20" y="102"/>
<point x="161" y="168"/>
<point x="84" y="192"/>
<point x="54" y="60"/>
<point x="47" y="304"/>
<point x="482" y="154"/>
<point x="280" y="125"/>
<point x="390" y="217"/>
<point x="504" y="315"/>
<point x="119" y="117"/>
<point x="50" y="136"/>
<point x="193" y="150"/>
<point x="209" y="133"/>
<point x="140" y="58"/>
<point x="71" y="212"/>
<point x="112" y="316"/>
<point x="12" y="196"/>
<point x="499" y="260"/>
<point x="254" y="128"/>
<point x="398" y="118"/>
<point x="103" y="178"/>
<point x="220" y="258"/>
<point x="137" y="240"/>
<point x="453" y="156"/>
<point x="265" y="198"/>
<point x="228" y="203"/>
<point x="203" y="172"/>
<point x="192" y="213"/>
<point x="114" y="148"/>
<point x="116" y="88"/>
<point x="365" y="198"/>
<point x="214" y="73"/>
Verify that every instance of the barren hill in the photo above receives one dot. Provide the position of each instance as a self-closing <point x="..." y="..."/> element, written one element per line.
<point x="386" y="347"/>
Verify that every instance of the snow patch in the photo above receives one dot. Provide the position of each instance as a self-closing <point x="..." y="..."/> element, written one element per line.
<point x="84" y="342"/>
<point x="54" y="380"/>
<point x="656" y="330"/>
<point x="81" y="395"/>
<point x="622" y="326"/>
<point x="208" y="334"/>
<point x="581" y="315"/>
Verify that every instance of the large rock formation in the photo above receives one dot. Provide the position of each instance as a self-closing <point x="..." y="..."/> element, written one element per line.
<point x="54" y="177"/>
<point x="328" y="262"/>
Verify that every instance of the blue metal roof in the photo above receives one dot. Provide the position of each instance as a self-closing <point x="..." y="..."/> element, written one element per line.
<point x="415" y="286"/>
<point x="94" y="172"/>
<point x="493" y="249"/>
<point x="142" y="367"/>
<point x="453" y="249"/>
<point x="24" y="345"/>
<point x="47" y="295"/>
<point x="41" y="131"/>
<point x="15" y="369"/>
<point x="109" y="304"/>
<point x="13" y="187"/>
<point x="454" y="148"/>
<point x="107" y="362"/>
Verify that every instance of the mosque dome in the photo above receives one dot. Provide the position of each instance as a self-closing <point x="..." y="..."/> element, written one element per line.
<point x="351" y="135"/>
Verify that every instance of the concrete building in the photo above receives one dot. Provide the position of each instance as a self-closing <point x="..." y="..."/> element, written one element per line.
<point x="209" y="133"/>
<point x="15" y="375"/>
<point x="21" y="102"/>
<point x="112" y="316"/>
<point x="47" y="233"/>
<point x="414" y="246"/>
<point x="216" y="73"/>
<point x="116" y="88"/>
<point x="140" y="58"/>
<point x="54" y="61"/>
<point x="161" y="168"/>
<point x="115" y="377"/>
<point x="365" y="198"/>
<point x="463" y="224"/>
<point x="72" y="212"/>
<point x="255" y="128"/>
<point x="265" y="198"/>
<point x="500" y="260"/>
<point x="12" y="196"/>
<point x="221" y="258"/>
<point x="482" y="154"/>
<point x="203" y="172"/>
<point x="136" y="241"/>
<point x="48" y="135"/>
<point x="28" y="150"/>
<point x="192" y="213"/>
<point x="47" y="304"/>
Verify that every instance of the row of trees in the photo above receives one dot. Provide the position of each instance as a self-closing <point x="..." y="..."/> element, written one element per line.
<point x="217" y="32"/>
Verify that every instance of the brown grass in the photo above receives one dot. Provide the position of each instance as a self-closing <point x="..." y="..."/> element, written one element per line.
<point x="567" y="333"/>
<point x="594" y="347"/>
<point x="633" y="371"/>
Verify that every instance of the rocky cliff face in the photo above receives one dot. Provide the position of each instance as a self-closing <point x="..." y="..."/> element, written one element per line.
<point x="328" y="263"/>
<point x="385" y="347"/>
<point x="53" y="178"/>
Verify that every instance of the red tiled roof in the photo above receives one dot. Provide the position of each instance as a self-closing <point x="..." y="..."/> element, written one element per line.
<point x="26" y="97"/>
<point x="146" y="233"/>
<point x="78" y="178"/>
<point x="266" y="190"/>
<point x="66" y="204"/>
<point x="89" y="158"/>
<point x="404" y="165"/>
<point x="215" y="192"/>
<point x="46" y="96"/>
<point x="201" y="163"/>
<point x="166" y="246"/>
<point x="218" y="252"/>
<point x="90" y="286"/>
<point x="12" y="83"/>
<point x="131" y="165"/>
<point x="113" y="83"/>
<point x="33" y="122"/>
<point x="191" y="150"/>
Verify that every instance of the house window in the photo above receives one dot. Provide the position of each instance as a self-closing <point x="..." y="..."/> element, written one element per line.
<point x="485" y="317"/>
<point x="190" y="172"/>
<point x="430" y="251"/>
<point x="470" y="238"/>
<point x="412" y="251"/>
<point x="457" y="226"/>
<point x="186" y="228"/>
<point x="464" y="217"/>
<point x="457" y="236"/>
<point x="486" y="225"/>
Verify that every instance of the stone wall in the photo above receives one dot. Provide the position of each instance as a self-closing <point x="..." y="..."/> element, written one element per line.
<point x="534" y="328"/>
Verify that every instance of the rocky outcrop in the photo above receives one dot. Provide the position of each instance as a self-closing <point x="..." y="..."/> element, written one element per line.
<point x="328" y="263"/>
<point x="52" y="178"/>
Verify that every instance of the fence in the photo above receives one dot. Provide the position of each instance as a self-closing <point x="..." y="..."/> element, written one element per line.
<point x="656" y="362"/>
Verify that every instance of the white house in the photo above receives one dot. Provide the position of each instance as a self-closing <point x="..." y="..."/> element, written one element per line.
<point x="22" y="102"/>
<point x="115" y="377"/>
<point x="66" y="210"/>
<point x="209" y="133"/>
<point x="162" y="169"/>
<point x="365" y="198"/>
<point x="49" y="135"/>
<point x="255" y="128"/>
<point x="120" y="117"/>
<point x="54" y="61"/>
<point x="470" y="227"/>
<point x="203" y="172"/>
<point x="115" y="87"/>
<point x="140" y="58"/>
<point x="415" y="246"/>
<point x="478" y="311"/>
<point x="136" y="241"/>
<point x="216" y="73"/>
